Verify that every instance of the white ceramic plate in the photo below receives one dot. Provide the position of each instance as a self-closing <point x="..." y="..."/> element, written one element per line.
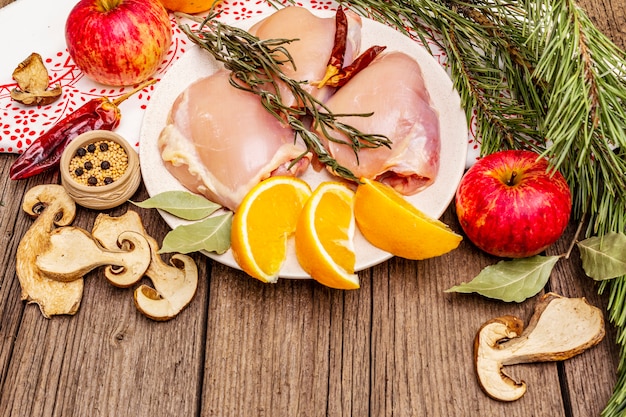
<point x="434" y="200"/>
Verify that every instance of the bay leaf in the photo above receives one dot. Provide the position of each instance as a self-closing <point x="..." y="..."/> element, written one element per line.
<point x="182" y="204"/>
<point x="511" y="280"/>
<point x="211" y="234"/>
<point x="604" y="257"/>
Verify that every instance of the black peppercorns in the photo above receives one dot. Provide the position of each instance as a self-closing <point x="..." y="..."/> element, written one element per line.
<point x="106" y="161"/>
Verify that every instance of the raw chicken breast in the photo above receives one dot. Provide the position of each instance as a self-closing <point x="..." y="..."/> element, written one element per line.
<point x="312" y="49"/>
<point x="220" y="141"/>
<point x="392" y="87"/>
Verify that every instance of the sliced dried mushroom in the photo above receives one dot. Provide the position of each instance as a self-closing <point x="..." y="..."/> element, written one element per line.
<point x="32" y="79"/>
<point x="53" y="207"/>
<point x="73" y="252"/>
<point x="559" y="329"/>
<point x="174" y="286"/>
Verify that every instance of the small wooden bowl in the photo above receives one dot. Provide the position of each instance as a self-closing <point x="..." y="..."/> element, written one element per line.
<point x="107" y="196"/>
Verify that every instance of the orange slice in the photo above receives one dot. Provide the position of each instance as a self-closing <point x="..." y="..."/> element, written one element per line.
<point x="324" y="236"/>
<point x="391" y="223"/>
<point x="263" y="223"/>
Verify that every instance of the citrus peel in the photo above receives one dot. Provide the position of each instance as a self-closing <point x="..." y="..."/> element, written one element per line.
<point x="324" y="236"/>
<point x="391" y="223"/>
<point x="263" y="222"/>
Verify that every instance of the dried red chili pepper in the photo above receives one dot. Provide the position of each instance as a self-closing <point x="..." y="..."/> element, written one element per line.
<point x="357" y="65"/>
<point x="45" y="152"/>
<point x="336" y="75"/>
<point x="337" y="55"/>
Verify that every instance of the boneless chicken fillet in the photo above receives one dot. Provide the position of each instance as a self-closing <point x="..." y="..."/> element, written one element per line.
<point x="220" y="141"/>
<point x="392" y="87"/>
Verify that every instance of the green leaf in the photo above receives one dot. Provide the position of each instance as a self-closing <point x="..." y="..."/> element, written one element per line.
<point x="211" y="234"/>
<point x="182" y="204"/>
<point x="604" y="257"/>
<point x="514" y="280"/>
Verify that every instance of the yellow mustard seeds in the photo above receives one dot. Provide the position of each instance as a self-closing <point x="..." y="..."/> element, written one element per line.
<point x="98" y="163"/>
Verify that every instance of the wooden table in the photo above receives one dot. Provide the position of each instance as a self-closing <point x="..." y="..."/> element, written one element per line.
<point x="399" y="346"/>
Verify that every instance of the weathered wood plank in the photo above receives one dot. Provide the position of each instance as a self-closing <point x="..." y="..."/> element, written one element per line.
<point x="608" y="17"/>
<point x="285" y="348"/>
<point x="108" y="359"/>
<point x="399" y="346"/>
<point x="588" y="379"/>
<point x="12" y="226"/>
<point x="423" y="363"/>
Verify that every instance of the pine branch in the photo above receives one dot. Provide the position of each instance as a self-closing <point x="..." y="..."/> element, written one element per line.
<point x="539" y="75"/>
<point x="491" y="66"/>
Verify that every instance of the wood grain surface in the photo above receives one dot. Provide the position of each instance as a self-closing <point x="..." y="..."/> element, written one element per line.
<point x="400" y="346"/>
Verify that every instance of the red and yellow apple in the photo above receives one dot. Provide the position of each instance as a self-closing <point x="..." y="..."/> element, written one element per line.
<point x="118" y="42"/>
<point x="512" y="204"/>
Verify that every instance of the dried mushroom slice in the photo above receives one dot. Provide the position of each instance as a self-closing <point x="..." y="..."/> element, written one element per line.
<point x="31" y="76"/>
<point x="73" y="252"/>
<point x="559" y="329"/>
<point x="53" y="207"/>
<point x="174" y="287"/>
<point x="174" y="284"/>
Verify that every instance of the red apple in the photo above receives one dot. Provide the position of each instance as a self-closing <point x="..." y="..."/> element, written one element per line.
<point x="511" y="204"/>
<point x="118" y="42"/>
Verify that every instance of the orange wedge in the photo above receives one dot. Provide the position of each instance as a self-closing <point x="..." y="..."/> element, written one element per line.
<point x="264" y="221"/>
<point x="324" y="236"/>
<point x="391" y="223"/>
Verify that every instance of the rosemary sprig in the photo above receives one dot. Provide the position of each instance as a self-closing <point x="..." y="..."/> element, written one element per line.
<point x="257" y="66"/>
